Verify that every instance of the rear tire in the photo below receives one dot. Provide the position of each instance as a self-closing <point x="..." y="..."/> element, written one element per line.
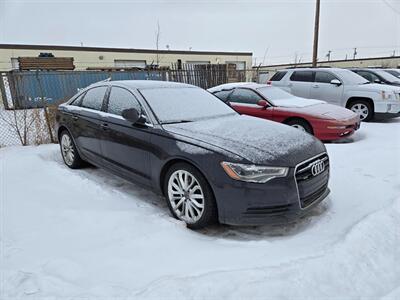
<point x="301" y="125"/>
<point x="69" y="152"/>
<point x="363" y="109"/>
<point x="189" y="196"/>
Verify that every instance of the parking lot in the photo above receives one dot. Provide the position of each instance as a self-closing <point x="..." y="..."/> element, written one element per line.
<point x="86" y="233"/>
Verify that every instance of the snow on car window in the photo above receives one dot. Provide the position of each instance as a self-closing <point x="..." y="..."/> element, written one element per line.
<point x="281" y="98"/>
<point x="349" y="77"/>
<point x="184" y="104"/>
<point x="274" y="93"/>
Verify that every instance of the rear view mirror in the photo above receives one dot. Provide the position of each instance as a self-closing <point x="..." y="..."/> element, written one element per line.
<point x="133" y="116"/>
<point x="336" y="82"/>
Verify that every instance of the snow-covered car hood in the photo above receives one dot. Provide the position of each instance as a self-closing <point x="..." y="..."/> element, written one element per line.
<point x="375" y="87"/>
<point x="256" y="140"/>
<point x="315" y="108"/>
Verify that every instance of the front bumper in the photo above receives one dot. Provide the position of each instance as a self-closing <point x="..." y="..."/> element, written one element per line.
<point x="279" y="201"/>
<point x="331" y="134"/>
<point x="387" y="109"/>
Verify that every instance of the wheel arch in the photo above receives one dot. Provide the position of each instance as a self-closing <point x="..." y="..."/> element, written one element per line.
<point x="293" y="118"/>
<point x="351" y="100"/>
<point x="172" y="162"/>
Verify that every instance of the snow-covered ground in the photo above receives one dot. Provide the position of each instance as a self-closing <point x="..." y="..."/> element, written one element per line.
<point x="89" y="234"/>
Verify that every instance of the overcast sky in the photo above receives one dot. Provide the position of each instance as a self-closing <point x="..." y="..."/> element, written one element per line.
<point x="280" y="30"/>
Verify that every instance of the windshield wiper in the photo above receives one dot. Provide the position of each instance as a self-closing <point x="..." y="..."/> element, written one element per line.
<point x="176" y="121"/>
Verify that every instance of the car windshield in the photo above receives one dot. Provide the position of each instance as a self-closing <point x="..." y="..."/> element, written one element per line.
<point x="349" y="77"/>
<point x="387" y="76"/>
<point x="273" y="93"/>
<point x="177" y="105"/>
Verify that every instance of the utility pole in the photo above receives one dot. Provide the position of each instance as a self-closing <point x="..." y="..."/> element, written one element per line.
<point x="316" y="32"/>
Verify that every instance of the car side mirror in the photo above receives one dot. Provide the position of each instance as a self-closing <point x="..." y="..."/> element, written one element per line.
<point x="262" y="103"/>
<point x="377" y="81"/>
<point x="336" y="82"/>
<point x="132" y="115"/>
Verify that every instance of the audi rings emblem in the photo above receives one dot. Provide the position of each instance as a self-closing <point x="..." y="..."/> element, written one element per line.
<point x="317" y="167"/>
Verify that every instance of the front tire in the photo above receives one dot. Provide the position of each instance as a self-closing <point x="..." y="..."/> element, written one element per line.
<point x="189" y="196"/>
<point x="69" y="152"/>
<point x="363" y="109"/>
<point x="301" y="125"/>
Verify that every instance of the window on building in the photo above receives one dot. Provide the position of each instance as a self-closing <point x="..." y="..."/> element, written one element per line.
<point x="121" y="99"/>
<point x="129" y="63"/>
<point x="197" y="62"/>
<point x="240" y="65"/>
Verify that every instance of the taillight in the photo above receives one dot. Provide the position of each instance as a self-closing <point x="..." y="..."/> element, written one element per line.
<point x="269" y="82"/>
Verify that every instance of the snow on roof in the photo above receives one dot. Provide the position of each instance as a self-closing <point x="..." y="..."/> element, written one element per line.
<point x="228" y="86"/>
<point x="149" y="84"/>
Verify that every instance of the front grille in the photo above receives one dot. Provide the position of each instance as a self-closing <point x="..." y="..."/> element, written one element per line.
<point x="312" y="179"/>
<point x="308" y="200"/>
<point x="303" y="171"/>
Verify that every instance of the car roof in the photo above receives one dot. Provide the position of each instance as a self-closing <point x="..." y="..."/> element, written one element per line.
<point x="145" y="84"/>
<point x="312" y="69"/>
<point x="229" y="86"/>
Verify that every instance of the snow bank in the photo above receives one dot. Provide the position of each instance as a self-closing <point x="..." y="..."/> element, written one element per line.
<point x="88" y="234"/>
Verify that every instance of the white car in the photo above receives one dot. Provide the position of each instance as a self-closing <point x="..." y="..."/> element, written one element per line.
<point x="341" y="87"/>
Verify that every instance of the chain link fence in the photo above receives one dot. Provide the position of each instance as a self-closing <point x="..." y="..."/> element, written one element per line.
<point x="29" y="99"/>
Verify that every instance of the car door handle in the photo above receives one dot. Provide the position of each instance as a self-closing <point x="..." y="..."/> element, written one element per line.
<point x="75" y="118"/>
<point x="316" y="86"/>
<point x="290" y="84"/>
<point x="104" y="126"/>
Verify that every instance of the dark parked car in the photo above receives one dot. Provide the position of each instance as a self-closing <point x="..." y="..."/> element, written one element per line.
<point x="208" y="161"/>
<point x="378" y="76"/>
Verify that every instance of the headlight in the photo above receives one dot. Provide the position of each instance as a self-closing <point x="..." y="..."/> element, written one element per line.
<point x="386" y="96"/>
<point x="253" y="173"/>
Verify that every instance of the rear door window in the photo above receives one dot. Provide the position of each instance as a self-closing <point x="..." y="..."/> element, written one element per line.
<point x="304" y="76"/>
<point x="223" y="95"/>
<point x="245" y="96"/>
<point x="94" y="97"/>
<point x="121" y="99"/>
<point x="278" y="76"/>
<point x="324" y="77"/>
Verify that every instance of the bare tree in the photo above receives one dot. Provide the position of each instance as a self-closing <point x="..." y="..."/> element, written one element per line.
<point x="20" y="122"/>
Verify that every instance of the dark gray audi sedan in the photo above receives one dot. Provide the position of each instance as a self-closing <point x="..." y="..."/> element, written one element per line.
<point x="209" y="162"/>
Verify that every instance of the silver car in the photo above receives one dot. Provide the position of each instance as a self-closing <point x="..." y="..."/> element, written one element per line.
<point x="341" y="87"/>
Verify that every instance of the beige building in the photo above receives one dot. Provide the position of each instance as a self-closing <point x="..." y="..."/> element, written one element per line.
<point x="265" y="72"/>
<point x="97" y="57"/>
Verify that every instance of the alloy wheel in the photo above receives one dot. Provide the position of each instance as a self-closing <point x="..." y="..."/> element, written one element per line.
<point x="360" y="109"/>
<point x="67" y="149"/>
<point x="186" y="196"/>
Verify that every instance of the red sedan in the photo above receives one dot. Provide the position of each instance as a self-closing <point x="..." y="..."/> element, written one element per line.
<point x="325" y="121"/>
